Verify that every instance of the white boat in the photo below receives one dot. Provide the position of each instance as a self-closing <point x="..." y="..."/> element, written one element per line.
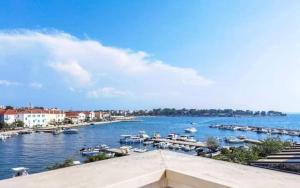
<point x="20" y="171"/>
<point x="172" y="136"/>
<point x="109" y="155"/>
<point x="294" y="133"/>
<point x="142" y="134"/>
<point x="76" y="163"/>
<point x="137" y="150"/>
<point x="57" y="131"/>
<point x="3" y="137"/>
<point x="191" y="130"/>
<point x="70" y="131"/>
<point x="233" y="140"/>
<point x="186" y="148"/>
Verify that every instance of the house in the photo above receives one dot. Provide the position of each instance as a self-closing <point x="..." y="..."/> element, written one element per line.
<point x="40" y="117"/>
<point x="8" y="116"/>
<point x="75" y="116"/>
<point x="89" y="115"/>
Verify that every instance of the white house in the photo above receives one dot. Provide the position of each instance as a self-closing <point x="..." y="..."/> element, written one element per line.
<point x="40" y="117"/>
<point x="8" y="116"/>
<point x="75" y="117"/>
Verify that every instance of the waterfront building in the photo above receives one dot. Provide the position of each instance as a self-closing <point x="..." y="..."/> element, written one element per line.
<point x="8" y="116"/>
<point x="158" y="169"/>
<point x="32" y="117"/>
<point x="40" y="117"/>
<point x="89" y="115"/>
<point x="75" y="116"/>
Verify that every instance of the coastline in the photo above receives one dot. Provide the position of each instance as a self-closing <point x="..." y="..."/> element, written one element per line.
<point x="65" y="126"/>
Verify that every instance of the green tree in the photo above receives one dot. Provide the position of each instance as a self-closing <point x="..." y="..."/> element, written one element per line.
<point x="212" y="143"/>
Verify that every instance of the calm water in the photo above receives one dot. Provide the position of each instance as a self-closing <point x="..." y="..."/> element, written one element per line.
<point x="39" y="150"/>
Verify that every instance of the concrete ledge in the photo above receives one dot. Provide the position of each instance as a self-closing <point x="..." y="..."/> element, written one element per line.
<point x="157" y="169"/>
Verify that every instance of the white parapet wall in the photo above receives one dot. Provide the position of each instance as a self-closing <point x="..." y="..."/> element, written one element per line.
<point x="157" y="169"/>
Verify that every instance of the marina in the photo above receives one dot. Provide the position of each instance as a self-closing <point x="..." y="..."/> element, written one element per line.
<point x="265" y="130"/>
<point x="38" y="150"/>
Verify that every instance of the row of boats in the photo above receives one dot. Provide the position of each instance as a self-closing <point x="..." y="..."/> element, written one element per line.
<point x="265" y="130"/>
<point x="142" y="137"/>
<point x="6" y="135"/>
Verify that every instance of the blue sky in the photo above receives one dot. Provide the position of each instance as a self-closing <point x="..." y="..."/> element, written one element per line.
<point x="145" y="54"/>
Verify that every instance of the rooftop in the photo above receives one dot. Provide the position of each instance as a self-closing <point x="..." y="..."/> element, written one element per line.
<point x="157" y="169"/>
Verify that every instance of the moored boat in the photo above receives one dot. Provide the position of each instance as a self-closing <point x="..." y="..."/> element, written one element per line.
<point x="20" y="171"/>
<point x="190" y="130"/>
<point x="70" y="131"/>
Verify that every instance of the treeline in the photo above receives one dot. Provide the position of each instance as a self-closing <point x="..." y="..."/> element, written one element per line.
<point x="205" y="112"/>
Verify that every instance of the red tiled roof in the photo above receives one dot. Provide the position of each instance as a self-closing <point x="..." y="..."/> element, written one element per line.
<point x="8" y="112"/>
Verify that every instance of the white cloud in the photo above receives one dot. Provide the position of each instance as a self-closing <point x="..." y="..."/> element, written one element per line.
<point x="36" y="85"/>
<point x="107" y="92"/>
<point x="8" y="83"/>
<point x="88" y="65"/>
<point x="74" y="70"/>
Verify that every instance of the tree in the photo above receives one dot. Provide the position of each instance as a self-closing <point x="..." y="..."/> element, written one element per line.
<point x="212" y="143"/>
<point x="9" y="107"/>
<point x="18" y="123"/>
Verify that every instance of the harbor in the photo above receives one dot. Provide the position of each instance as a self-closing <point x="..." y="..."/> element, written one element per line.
<point x="38" y="150"/>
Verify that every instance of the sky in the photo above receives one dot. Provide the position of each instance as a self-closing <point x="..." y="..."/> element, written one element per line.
<point x="147" y="54"/>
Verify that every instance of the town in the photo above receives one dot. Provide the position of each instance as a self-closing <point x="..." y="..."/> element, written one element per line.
<point x="40" y="117"/>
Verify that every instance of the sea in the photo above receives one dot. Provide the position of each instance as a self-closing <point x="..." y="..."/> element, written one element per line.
<point x="37" y="151"/>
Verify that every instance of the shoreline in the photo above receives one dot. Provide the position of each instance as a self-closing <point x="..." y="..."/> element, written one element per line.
<point x="65" y="126"/>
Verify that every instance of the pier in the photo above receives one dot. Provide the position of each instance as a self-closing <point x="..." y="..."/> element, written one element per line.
<point x="196" y="144"/>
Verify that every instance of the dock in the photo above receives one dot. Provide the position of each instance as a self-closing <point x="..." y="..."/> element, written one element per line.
<point x="196" y="144"/>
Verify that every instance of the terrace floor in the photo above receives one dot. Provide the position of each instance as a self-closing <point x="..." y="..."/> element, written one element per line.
<point x="157" y="169"/>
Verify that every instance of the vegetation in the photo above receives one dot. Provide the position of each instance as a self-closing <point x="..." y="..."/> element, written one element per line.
<point x="18" y="123"/>
<point x="255" y="152"/>
<point x="205" y="112"/>
<point x="212" y="143"/>
<point x="98" y="157"/>
<point x="66" y="163"/>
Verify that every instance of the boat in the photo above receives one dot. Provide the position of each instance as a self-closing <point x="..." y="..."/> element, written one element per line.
<point x="142" y="134"/>
<point x="193" y="123"/>
<point x="186" y="148"/>
<point x="148" y="142"/>
<point x="262" y="130"/>
<point x="3" y="137"/>
<point x="190" y="130"/>
<point x="233" y="140"/>
<point x="57" y="131"/>
<point x="20" y="171"/>
<point x="131" y="139"/>
<point x="172" y="136"/>
<point x="90" y="152"/>
<point x="242" y="137"/>
<point x="102" y="147"/>
<point x="137" y="150"/>
<point x="109" y="155"/>
<point x="294" y="133"/>
<point x="76" y="162"/>
<point x="275" y="131"/>
<point x="70" y="131"/>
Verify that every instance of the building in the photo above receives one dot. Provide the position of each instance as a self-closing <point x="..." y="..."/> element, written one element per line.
<point x="76" y="116"/>
<point x="89" y="115"/>
<point x="32" y="117"/>
<point x="40" y="117"/>
<point x="8" y="115"/>
<point x="158" y="169"/>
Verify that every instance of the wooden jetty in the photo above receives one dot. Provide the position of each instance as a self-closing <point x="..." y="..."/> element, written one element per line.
<point x="196" y="144"/>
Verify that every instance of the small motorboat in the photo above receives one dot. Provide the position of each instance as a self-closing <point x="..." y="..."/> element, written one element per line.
<point x="137" y="150"/>
<point x="70" y="131"/>
<point x="20" y="171"/>
<point x="57" y="131"/>
<point x="233" y="140"/>
<point x="190" y="130"/>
